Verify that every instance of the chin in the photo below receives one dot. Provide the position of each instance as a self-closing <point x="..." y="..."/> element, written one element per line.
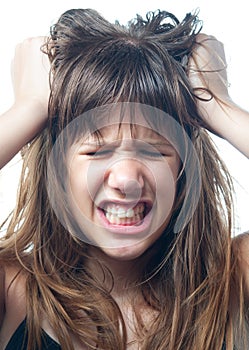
<point x="127" y="253"/>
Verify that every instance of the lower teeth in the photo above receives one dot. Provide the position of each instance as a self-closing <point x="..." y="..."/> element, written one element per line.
<point x="124" y="221"/>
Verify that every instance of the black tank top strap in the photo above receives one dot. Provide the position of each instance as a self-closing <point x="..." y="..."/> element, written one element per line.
<point x="19" y="340"/>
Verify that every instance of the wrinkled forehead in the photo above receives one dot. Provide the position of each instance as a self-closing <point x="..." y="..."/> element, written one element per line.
<point x="125" y="120"/>
<point x="128" y="120"/>
<point x="124" y="131"/>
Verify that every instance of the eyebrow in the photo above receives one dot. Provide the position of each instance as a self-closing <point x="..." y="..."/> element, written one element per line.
<point x="157" y="143"/>
<point x="146" y="141"/>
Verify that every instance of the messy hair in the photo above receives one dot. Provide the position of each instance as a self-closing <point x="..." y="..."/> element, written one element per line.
<point x="188" y="280"/>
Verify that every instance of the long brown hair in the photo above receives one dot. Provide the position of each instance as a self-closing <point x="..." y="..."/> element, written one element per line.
<point x="188" y="281"/>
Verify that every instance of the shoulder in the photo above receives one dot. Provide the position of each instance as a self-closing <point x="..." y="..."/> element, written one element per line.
<point x="2" y="294"/>
<point x="12" y="301"/>
<point x="240" y="246"/>
<point x="15" y="283"/>
<point x="12" y="291"/>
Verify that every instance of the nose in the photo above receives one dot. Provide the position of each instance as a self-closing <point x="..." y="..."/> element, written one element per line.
<point x="126" y="176"/>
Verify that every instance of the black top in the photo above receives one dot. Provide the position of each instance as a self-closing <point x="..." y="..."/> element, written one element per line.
<point x="19" y="340"/>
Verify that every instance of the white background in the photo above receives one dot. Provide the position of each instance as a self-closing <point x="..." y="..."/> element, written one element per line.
<point x="228" y="21"/>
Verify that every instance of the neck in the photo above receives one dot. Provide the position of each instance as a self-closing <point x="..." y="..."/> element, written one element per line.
<point x="123" y="275"/>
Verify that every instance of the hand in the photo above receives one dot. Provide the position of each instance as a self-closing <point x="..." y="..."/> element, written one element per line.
<point x="207" y="67"/>
<point x="28" y="115"/>
<point x="30" y="75"/>
<point x="208" y="76"/>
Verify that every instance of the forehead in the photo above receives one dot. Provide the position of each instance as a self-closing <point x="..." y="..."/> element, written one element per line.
<point x="124" y="130"/>
<point x="124" y="120"/>
<point x="128" y="120"/>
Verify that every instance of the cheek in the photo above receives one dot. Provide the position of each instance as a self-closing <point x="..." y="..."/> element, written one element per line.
<point x="165" y="179"/>
<point x="77" y="189"/>
<point x="86" y="178"/>
<point x="94" y="177"/>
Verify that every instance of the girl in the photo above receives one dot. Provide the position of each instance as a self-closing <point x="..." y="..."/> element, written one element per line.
<point x="121" y="236"/>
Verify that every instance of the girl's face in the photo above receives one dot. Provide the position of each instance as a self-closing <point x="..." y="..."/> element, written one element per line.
<point x="122" y="188"/>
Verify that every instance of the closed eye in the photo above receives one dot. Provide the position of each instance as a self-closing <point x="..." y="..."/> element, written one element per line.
<point x="99" y="153"/>
<point x="153" y="154"/>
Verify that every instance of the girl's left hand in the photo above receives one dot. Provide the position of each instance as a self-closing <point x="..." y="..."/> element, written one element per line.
<point x="207" y="66"/>
<point x="208" y="76"/>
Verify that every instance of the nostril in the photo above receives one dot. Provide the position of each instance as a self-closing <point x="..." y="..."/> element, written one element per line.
<point x="132" y="185"/>
<point x="132" y="188"/>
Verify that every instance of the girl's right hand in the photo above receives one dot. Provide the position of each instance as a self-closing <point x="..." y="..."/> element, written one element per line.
<point x="29" y="112"/>
<point x="30" y="76"/>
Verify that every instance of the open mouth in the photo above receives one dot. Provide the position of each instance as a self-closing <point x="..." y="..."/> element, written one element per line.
<point x="125" y="216"/>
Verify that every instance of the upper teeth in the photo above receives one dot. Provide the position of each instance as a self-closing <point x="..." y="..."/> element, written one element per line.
<point x="122" y="212"/>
